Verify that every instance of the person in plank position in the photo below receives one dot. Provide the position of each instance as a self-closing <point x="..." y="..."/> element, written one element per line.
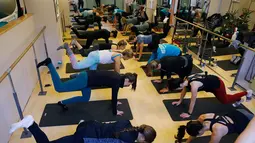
<point x="93" y="131"/>
<point x="181" y="65"/>
<point x="94" y="35"/>
<point x="119" y="47"/>
<point x="98" y="57"/>
<point x="208" y="83"/>
<point x="87" y="79"/>
<point x="220" y="125"/>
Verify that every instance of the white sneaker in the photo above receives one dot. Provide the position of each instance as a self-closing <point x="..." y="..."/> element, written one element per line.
<point x="233" y="58"/>
<point x="81" y="121"/>
<point x="237" y="103"/>
<point x="26" y="122"/>
<point x="237" y="60"/>
<point x="73" y="42"/>
<point x="165" y="20"/>
<point x="249" y="95"/>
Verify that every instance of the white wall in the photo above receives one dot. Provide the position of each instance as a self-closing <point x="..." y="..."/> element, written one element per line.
<point x="65" y="8"/>
<point x="24" y="76"/>
<point x="44" y="14"/>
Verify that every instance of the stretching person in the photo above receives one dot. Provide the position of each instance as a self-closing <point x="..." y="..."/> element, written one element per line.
<point x="119" y="47"/>
<point x="153" y="40"/>
<point x="165" y="50"/>
<point x="168" y="65"/>
<point x="94" y="35"/>
<point x="89" y="20"/>
<point x="87" y="79"/>
<point x="220" y="125"/>
<point x="98" y="57"/>
<point x="208" y="83"/>
<point x="117" y="132"/>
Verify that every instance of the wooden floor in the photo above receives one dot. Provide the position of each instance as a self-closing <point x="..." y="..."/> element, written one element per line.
<point x="146" y="104"/>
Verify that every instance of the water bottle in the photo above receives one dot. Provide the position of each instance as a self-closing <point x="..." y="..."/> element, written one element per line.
<point x="59" y="62"/>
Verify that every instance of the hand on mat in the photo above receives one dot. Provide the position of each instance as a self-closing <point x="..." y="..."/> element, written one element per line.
<point x="185" y="115"/>
<point x="158" y="81"/>
<point x="176" y="103"/>
<point x="164" y="90"/>
<point x="137" y="59"/>
<point x="120" y="113"/>
<point x="119" y="103"/>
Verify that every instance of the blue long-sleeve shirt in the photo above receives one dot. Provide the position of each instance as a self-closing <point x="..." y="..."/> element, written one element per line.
<point x="165" y="50"/>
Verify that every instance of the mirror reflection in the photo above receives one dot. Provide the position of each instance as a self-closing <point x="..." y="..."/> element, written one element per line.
<point x="7" y="7"/>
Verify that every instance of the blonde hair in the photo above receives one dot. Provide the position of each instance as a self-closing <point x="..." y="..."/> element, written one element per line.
<point x="128" y="53"/>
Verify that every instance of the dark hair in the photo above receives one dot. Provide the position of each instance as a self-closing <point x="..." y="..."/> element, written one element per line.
<point x="115" y="33"/>
<point x="148" y="132"/>
<point x="174" y="83"/>
<point x="192" y="128"/>
<point x="134" y="29"/>
<point x="151" y="66"/>
<point x="132" y="77"/>
<point x="105" y="19"/>
<point x="131" y="37"/>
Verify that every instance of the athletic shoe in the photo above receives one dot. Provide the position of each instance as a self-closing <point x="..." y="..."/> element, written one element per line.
<point x="249" y="95"/>
<point x="165" y="20"/>
<point x="233" y="58"/>
<point x="73" y="42"/>
<point x="24" y="123"/>
<point x="64" y="107"/>
<point x="237" y="103"/>
<point x="44" y="63"/>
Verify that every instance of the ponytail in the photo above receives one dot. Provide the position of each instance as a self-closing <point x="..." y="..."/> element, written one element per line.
<point x="132" y="77"/>
<point x="180" y="134"/>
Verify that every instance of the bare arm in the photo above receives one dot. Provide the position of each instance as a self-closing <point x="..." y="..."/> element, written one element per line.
<point x="183" y="94"/>
<point x="190" y="139"/>
<point x="247" y="136"/>
<point x="218" y="132"/>
<point x="117" y="64"/>
<point x="140" y="47"/>
<point x="194" y="89"/>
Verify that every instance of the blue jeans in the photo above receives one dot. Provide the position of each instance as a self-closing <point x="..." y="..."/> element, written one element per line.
<point x="79" y="83"/>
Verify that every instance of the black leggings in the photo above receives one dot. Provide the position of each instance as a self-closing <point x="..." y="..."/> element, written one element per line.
<point x="98" y="3"/>
<point x="41" y="137"/>
<point x="84" y="52"/>
<point x="80" y="4"/>
<point x="87" y="21"/>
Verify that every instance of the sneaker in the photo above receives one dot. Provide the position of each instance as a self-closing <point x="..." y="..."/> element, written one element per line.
<point x="26" y="122"/>
<point x="73" y="42"/>
<point x="233" y="58"/>
<point x="237" y="103"/>
<point x="64" y="107"/>
<point x="249" y="95"/>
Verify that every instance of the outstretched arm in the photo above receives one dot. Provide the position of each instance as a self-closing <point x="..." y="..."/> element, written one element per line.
<point x="117" y="62"/>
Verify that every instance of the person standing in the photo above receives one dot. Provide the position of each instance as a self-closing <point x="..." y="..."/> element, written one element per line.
<point x="98" y="3"/>
<point x="80" y="4"/>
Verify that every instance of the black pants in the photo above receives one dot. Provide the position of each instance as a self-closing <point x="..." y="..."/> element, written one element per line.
<point x="98" y="3"/>
<point x="80" y="4"/>
<point x="85" y="52"/>
<point x="41" y="137"/>
<point x="89" y="21"/>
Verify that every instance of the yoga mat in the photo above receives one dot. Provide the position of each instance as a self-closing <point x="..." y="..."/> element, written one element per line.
<point x="92" y="88"/>
<point x="159" y="86"/>
<point x="227" y="65"/>
<point x="195" y="69"/>
<point x="189" y="40"/>
<point x="126" y="34"/>
<point x="145" y="49"/>
<point x="183" y="32"/>
<point x="144" y="58"/>
<point x="206" y="139"/>
<point x="69" y="68"/>
<point x="53" y="114"/>
<point x="219" y="51"/>
<point x="203" y="105"/>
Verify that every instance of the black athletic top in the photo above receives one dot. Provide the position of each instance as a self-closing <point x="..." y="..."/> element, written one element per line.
<point x="210" y="82"/>
<point x="181" y="65"/>
<point x="102" y="33"/>
<point x="239" y="119"/>
<point x="110" y="79"/>
<point x="94" y="129"/>
<point x="104" y="46"/>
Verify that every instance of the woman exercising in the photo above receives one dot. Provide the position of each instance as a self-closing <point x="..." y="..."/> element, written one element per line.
<point x="119" y="47"/>
<point x="117" y="132"/>
<point x="181" y="65"/>
<point x="87" y="79"/>
<point x="98" y="57"/>
<point x="93" y="35"/>
<point x="165" y="50"/>
<point x="208" y="83"/>
<point x="220" y="125"/>
<point x="89" y="20"/>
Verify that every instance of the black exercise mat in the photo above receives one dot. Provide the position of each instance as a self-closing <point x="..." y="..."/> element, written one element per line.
<point x="69" y="68"/>
<point x="159" y="86"/>
<point x="203" y="105"/>
<point x="195" y="69"/>
<point x="144" y="58"/>
<point x="227" y="65"/>
<point x="101" y="111"/>
<point x="206" y="139"/>
<point x="92" y="88"/>
<point x="145" y="49"/>
<point x="126" y="34"/>
<point x="183" y="32"/>
<point x="188" y="39"/>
